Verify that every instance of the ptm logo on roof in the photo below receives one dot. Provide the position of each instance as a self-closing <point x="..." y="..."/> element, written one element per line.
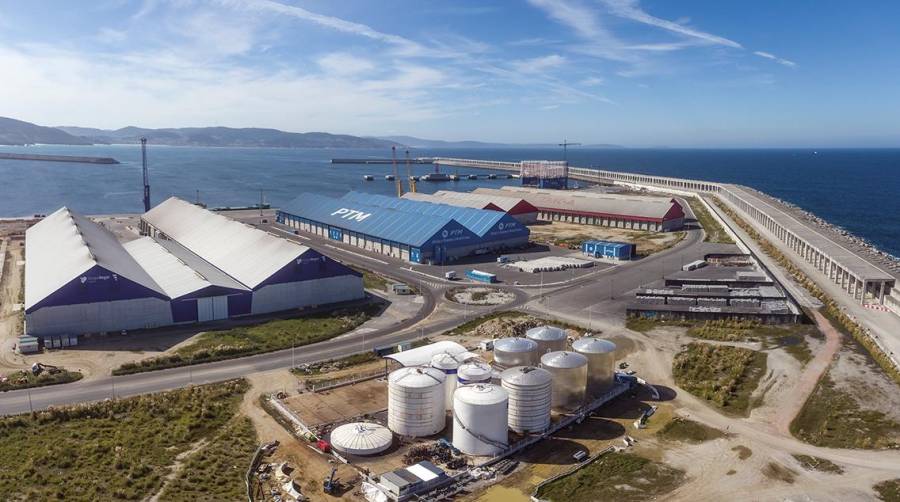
<point x="351" y="214"/>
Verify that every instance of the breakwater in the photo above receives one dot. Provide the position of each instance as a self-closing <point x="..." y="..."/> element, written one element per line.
<point x="58" y="158"/>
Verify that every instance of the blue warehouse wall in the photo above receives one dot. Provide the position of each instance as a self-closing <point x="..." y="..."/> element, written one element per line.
<point x="96" y="285"/>
<point x="309" y="266"/>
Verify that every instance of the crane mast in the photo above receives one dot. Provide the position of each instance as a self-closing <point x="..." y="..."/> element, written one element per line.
<point x="146" y="174"/>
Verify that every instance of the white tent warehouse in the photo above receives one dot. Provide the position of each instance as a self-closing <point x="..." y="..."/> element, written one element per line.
<point x="80" y="279"/>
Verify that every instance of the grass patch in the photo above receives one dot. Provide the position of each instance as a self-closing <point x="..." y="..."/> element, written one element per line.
<point x="778" y="472"/>
<point x="120" y="449"/>
<point x="742" y="451"/>
<point x="217" y="471"/>
<point x="371" y="280"/>
<point x="723" y="375"/>
<point x="792" y="338"/>
<point x="889" y="490"/>
<point x="26" y="380"/>
<point x="615" y="476"/>
<point x="714" y="231"/>
<point x="265" y="337"/>
<point x="688" y="431"/>
<point x="646" y="324"/>
<point x="811" y="463"/>
<point x="832" y="418"/>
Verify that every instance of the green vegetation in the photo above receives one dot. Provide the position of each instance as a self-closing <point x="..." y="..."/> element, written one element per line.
<point x="830" y="308"/>
<point x="779" y="472"/>
<point x="216" y="472"/>
<point x="615" y="476"/>
<point x="721" y="374"/>
<point x="266" y="337"/>
<point x="335" y="364"/>
<point x="791" y="338"/>
<point x="714" y="231"/>
<point x="646" y="324"/>
<point x="120" y="449"/>
<point x="688" y="431"/>
<point x="25" y="379"/>
<point x="743" y="452"/>
<point x="811" y="463"/>
<point x="371" y="280"/>
<point x="833" y="418"/>
<point x="889" y="490"/>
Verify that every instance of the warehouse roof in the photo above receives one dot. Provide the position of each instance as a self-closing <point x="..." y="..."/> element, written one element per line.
<point x="479" y="221"/>
<point x="215" y="276"/>
<point x="511" y="205"/>
<point x="383" y="223"/>
<point x="176" y="277"/>
<point x="64" y="245"/>
<point x="245" y="253"/>
<point x="637" y="207"/>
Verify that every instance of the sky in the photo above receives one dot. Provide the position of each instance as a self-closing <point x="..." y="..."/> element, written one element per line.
<point x="802" y="73"/>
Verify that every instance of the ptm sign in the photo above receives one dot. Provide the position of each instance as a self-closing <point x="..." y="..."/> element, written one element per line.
<point x="351" y="214"/>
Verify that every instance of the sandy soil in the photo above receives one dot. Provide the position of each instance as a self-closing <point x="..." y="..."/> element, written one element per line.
<point x="493" y="296"/>
<point x="647" y="242"/>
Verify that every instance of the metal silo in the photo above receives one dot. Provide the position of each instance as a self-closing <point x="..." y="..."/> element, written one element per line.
<point x="515" y="351"/>
<point x="548" y="338"/>
<point x="416" y="405"/>
<point x="479" y="419"/>
<point x="473" y="372"/>
<point x="449" y="365"/>
<point x="530" y="392"/>
<point x="569" y="370"/>
<point x="361" y="438"/>
<point x="601" y="355"/>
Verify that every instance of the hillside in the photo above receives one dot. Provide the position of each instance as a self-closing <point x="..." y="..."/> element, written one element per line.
<point x="18" y="132"/>
<point x="414" y="142"/>
<point x="226" y="136"/>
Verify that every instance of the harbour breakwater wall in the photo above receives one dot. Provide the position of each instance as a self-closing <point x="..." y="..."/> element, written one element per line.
<point x="57" y="158"/>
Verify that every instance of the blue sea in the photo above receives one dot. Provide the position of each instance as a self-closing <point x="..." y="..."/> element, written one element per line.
<point x="858" y="189"/>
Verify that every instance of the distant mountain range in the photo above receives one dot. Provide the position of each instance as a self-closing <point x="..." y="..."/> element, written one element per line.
<point x="414" y="142"/>
<point x="18" y="132"/>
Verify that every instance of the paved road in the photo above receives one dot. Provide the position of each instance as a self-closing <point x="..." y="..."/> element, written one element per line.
<point x="625" y="277"/>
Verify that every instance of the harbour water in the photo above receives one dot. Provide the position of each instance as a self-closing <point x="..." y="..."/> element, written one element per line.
<point x="854" y="189"/>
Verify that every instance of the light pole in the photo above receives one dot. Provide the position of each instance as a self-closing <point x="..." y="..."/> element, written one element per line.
<point x="30" y="406"/>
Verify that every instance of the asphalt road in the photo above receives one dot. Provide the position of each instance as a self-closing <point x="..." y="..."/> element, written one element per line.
<point x="581" y="293"/>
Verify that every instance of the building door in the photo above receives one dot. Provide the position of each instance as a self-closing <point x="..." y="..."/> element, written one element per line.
<point x="212" y="308"/>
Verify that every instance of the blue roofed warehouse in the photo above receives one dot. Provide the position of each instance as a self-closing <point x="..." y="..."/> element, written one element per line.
<point x="420" y="234"/>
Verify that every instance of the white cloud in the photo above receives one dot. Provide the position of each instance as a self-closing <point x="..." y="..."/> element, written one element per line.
<point x="775" y="58"/>
<point x="630" y="9"/>
<point x="592" y="81"/>
<point x="341" y="63"/>
<point x="538" y="64"/>
<point x="110" y="35"/>
<point x="549" y="107"/>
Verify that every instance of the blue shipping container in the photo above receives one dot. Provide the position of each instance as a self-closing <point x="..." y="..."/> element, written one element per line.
<point x="477" y="275"/>
<point x="606" y="249"/>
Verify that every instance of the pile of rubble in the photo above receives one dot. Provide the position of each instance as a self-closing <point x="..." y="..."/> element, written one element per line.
<point x="502" y="327"/>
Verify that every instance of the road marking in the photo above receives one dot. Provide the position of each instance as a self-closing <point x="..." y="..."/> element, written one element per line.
<point x="357" y="254"/>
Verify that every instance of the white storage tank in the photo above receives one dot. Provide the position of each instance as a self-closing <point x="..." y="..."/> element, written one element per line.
<point x="515" y="351"/>
<point x="569" y="370"/>
<point x="361" y="438"/>
<point x="548" y="338"/>
<point x="449" y="365"/>
<point x="530" y="392"/>
<point x="479" y="419"/>
<point x="416" y="404"/>
<point x="601" y="356"/>
<point x="473" y="372"/>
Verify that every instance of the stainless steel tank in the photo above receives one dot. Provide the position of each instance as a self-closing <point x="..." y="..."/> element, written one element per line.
<point x="569" y="370"/>
<point x="515" y="351"/>
<point x="601" y="356"/>
<point x="548" y="338"/>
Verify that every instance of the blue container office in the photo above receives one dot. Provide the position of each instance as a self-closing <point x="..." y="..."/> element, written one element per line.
<point x="608" y="249"/>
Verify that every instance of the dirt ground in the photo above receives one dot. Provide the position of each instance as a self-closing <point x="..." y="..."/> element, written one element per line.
<point x="646" y="242"/>
<point x="341" y="404"/>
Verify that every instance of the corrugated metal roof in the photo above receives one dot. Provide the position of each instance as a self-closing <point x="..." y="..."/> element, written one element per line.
<point x="506" y="203"/>
<point x="245" y="253"/>
<point x="479" y="221"/>
<point x="172" y="274"/>
<point x="215" y="276"/>
<point x="654" y="208"/>
<point x="64" y="245"/>
<point x="379" y="222"/>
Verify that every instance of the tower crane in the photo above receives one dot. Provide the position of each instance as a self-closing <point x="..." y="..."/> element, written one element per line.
<point x="565" y="144"/>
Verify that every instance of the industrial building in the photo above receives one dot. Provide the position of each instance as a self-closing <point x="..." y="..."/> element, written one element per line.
<point x="551" y="174"/>
<point x="516" y="207"/>
<point x="419" y="232"/>
<point x="592" y="208"/>
<point x="195" y="266"/>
